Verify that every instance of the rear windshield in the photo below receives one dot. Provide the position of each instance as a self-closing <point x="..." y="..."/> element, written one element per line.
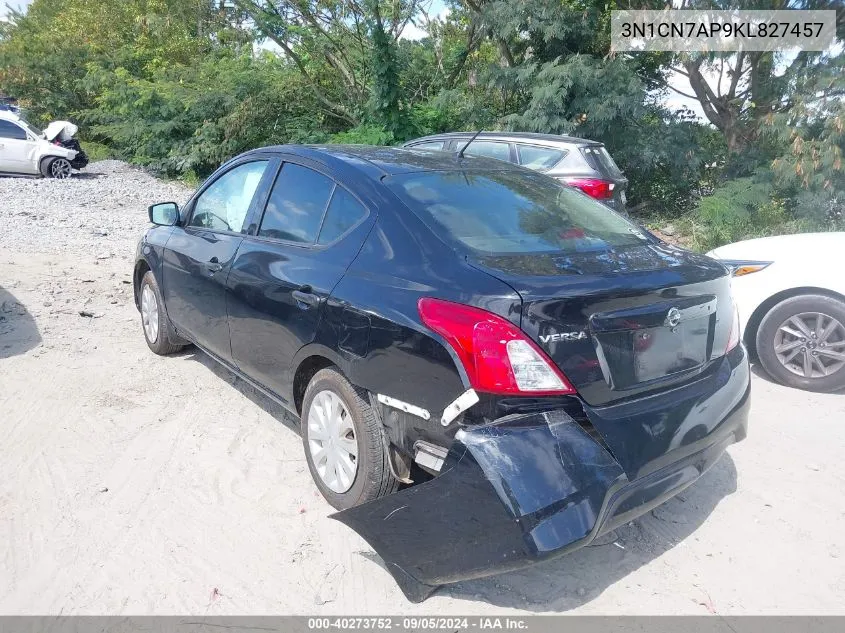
<point x="512" y="212"/>
<point x="599" y="159"/>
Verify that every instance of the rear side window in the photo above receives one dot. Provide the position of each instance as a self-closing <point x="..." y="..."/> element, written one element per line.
<point x="490" y="149"/>
<point x="539" y="158"/>
<point x="599" y="159"/>
<point x="512" y="212"/>
<point x="296" y="205"/>
<point x="438" y="145"/>
<point x="343" y="213"/>
<point x="11" y="131"/>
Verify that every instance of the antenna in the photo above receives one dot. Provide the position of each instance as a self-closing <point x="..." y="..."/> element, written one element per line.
<point x="460" y="152"/>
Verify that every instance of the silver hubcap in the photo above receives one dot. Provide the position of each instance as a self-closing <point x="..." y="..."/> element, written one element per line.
<point x="332" y="441"/>
<point x="60" y="168"/>
<point x="811" y="344"/>
<point x="149" y="313"/>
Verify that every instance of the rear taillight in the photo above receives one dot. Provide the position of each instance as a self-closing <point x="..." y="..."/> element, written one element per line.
<point x="733" y="338"/>
<point x="593" y="187"/>
<point x="496" y="355"/>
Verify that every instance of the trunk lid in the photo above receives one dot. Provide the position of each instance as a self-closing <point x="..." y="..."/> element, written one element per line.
<point x="623" y="321"/>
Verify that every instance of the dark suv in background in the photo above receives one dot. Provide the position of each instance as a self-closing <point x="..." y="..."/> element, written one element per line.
<point x="575" y="161"/>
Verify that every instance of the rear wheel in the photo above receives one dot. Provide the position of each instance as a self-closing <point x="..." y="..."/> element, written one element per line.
<point x="801" y="343"/>
<point x="343" y="444"/>
<point x="56" y="167"/>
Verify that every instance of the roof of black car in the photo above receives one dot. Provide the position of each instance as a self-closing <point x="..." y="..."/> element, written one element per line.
<point x="525" y="136"/>
<point x="381" y="161"/>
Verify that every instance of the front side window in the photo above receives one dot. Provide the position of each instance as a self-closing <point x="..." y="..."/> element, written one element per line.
<point x="11" y="131"/>
<point x="223" y="206"/>
<point x="540" y="158"/>
<point x="296" y="205"/>
<point x="490" y="149"/>
<point x="512" y="212"/>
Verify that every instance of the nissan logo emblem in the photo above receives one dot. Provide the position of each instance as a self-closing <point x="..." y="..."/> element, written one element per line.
<point x="674" y="317"/>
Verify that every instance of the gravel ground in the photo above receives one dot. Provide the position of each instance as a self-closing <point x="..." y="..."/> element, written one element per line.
<point x="100" y="211"/>
<point x="135" y="484"/>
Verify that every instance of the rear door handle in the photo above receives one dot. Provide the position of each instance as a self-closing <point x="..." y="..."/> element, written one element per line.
<point x="214" y="265"/>
<point x="304" y="298"/>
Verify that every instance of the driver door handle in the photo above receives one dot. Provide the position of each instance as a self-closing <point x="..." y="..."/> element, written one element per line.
<point x="214" y="265"/>
<point x="304" y="298"/>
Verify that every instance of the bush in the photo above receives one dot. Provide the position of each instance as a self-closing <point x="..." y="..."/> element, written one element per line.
<point x="365" y="134"/>
<point x="742" y="209"/>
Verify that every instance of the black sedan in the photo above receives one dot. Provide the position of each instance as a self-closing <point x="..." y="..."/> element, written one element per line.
<point x="490" y="368"/>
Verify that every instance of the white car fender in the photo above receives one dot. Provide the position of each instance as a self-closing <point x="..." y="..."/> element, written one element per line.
<point x="45" y="149"/>
<point x="811" y="261"/>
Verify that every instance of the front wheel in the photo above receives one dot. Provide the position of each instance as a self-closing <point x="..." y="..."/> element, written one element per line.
<point x="801" y="343"/>
<point x="153" y="318"/>
<point x="57" y="167"/>
<point x="343" y="444"/>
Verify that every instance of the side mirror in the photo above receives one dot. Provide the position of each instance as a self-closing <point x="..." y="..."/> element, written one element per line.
<point x="164" y="213"/>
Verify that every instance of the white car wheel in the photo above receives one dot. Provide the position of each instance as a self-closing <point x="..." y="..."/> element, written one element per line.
<point x="801" y="343"/>
<point x="56" y="167"/>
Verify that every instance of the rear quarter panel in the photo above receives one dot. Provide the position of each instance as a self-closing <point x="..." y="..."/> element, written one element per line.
<point x="371" y="323"/>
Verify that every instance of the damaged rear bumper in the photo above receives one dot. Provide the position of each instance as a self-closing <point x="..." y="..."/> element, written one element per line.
<point x="535" y="486"/>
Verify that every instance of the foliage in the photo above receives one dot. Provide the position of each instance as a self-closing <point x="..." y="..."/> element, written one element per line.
<point x="366" y="134"/>
<point x="182" y="85"/>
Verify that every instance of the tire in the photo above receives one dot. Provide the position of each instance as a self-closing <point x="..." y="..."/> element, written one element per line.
<point x="826" y="370"/>
<point x="56" y="167"/>
<point x="153" y="318"/>
<point x="372" y="477"/>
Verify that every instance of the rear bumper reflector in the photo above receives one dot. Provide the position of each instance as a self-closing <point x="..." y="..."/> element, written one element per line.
<point x="404" y="406"/>
<point x="460" y="404"/>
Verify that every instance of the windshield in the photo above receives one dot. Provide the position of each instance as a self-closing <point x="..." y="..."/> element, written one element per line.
<point x="31" y="129"/>
<point x="512" y="212"/>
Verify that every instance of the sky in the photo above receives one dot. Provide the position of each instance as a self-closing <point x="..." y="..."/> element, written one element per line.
<point x="15" y="4"/>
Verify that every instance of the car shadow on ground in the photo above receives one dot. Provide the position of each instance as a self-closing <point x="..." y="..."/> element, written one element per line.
<point x="248" y="391"/>
<point x="18" y="331"/>
<point x="758" y="371"/>
<point x="568" y="582"/>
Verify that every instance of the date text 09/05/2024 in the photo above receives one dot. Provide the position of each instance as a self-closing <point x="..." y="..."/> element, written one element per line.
<point x="417" y="623"/>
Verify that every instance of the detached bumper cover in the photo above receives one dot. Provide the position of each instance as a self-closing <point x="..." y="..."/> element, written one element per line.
<point x="535" y="486"/>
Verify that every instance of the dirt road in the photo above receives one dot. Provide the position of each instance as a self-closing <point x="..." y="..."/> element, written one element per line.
<point x="133" y="484"/>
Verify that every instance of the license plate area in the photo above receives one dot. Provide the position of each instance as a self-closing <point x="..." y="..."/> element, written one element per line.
<point x="664" y="351"/>
<point x="638" y="346"/>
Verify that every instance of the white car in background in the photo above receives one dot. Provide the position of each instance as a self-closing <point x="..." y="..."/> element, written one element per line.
<point x="790" y="293"/>
<point x="53" y="153"/>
